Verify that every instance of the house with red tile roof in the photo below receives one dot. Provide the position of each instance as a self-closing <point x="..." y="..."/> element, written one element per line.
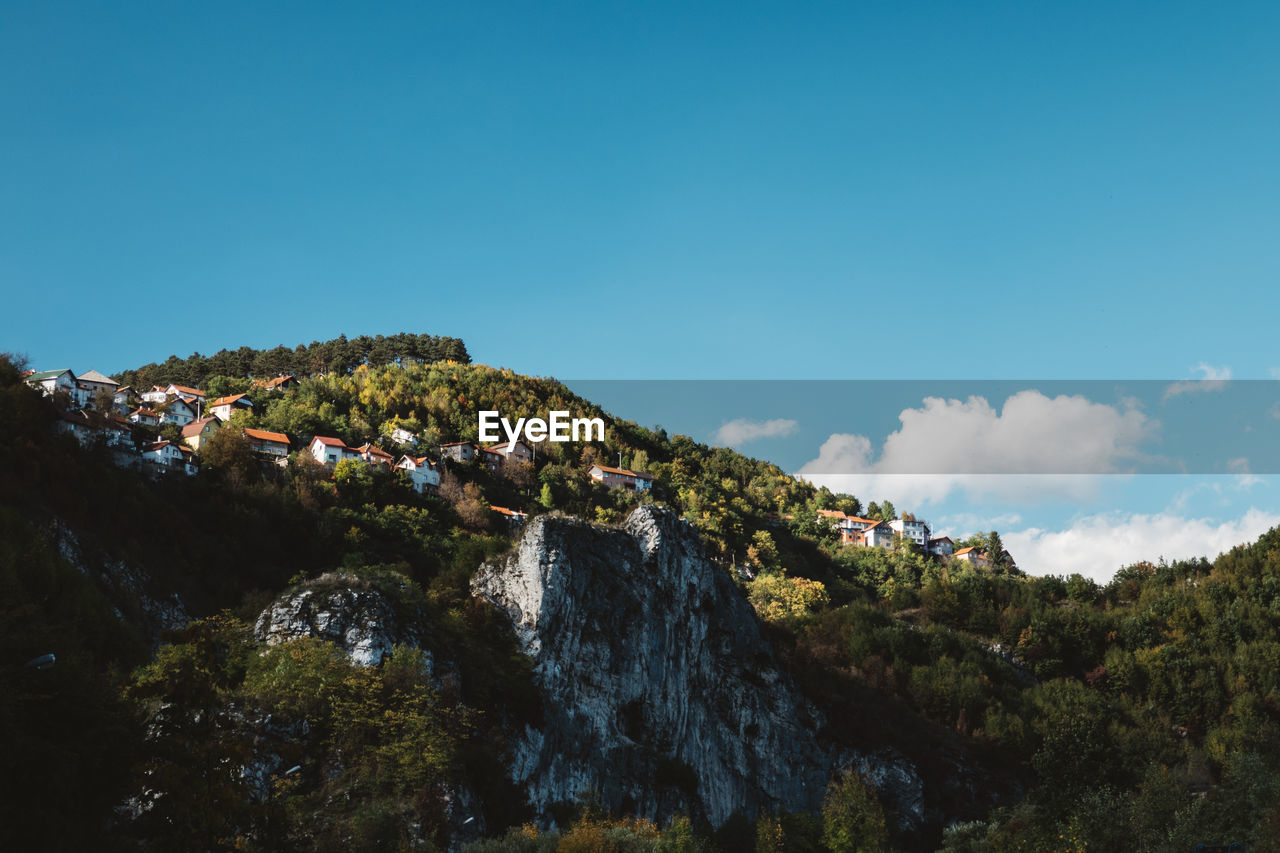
<point x="265" y="443"/>
<point x="330" y="451"/>
<point x="423" y="474"/>
<point x="514" y="517"/>
<point x="282" y="382"/>
<point x="973" y="556"/>
<point x="375" y="455"/>
<point x="620" y="478"/>
<point x="224" y="407"/>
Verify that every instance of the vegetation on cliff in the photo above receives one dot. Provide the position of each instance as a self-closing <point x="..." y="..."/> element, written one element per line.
<point x="1141" y="714"/>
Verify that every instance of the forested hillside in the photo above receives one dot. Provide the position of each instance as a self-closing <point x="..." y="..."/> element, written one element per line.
<point x="1139" y="715"/>
<point x="339" y="355"/>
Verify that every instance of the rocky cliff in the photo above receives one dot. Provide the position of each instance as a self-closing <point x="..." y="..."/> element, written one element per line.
<point x="346" y="610"/>
<point x="660" y="692"/>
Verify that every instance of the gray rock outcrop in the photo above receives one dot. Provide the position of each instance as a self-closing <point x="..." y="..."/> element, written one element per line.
<point x="660" y="693"/>
<point x="342" y="609"/>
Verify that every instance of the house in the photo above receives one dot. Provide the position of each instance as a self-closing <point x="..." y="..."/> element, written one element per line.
<point x="973" y="557"/>
<point x="198" y="431"/>
<point x="620" y="478"/>
<point x="157" y="394"/>
<point x="145" y="416"/>
<point x="375" y="455"/>
<point x="518" y="451"/>
<point x="264" y="443"/>
<point x="96" y="382"/>
<point x="460" y="451"/>
<point x="514" y="516"/>
<point x="224" y="407"/>
<point x="91" y="428"/>
<point x="942" y="546"/>
<point x="492" y="459"/>
<point x="283" y="382"/>
<point x="193" y="395"/>
<point x="399" y="435"/>
<point x="92" y="383"/>
<point x="913" y="529"/>
<point x="850" y="527"/>
<point x="50" y="382"/>
<point x="170" y="457"/>
<point x="124" y="399"/>
<point x="177" y="411"/>
<point x="876" y="534"/>
<point x="331" y="451"/>
<point x="424" y="475"/>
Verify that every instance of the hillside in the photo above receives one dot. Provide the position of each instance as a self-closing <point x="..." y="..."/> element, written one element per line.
<point x="952" y="705"/>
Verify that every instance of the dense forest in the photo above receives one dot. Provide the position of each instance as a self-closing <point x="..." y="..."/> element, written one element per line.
<point x="1143" y="714"/>
<point x="340" y="355"/>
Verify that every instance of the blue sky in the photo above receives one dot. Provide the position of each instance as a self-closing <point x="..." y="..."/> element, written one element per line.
<point x="650" y="190"/>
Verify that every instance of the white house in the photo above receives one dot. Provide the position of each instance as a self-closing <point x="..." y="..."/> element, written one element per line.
<point x="942" y="546"/>
<point x="620" y="478"/>
<point x="194" y="395"/>
<point x="400" y="435"/>
<point x="170" y="456"/>
<point x="50" y="382"/>
<point x="264" y="443"/>
<point x="123" y="399"/>
<point x="913" y="529"/>
<point x="144" y="416"/>
<point x="157" y="394"/>
<point x="331" y="451"/>
<point x="177" y="411"/>
<point x="224" y="407"/>
<point x="424" y="475"/>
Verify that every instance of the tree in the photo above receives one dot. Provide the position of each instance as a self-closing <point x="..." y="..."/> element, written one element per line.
<point x="227" y="451"/>
<point x="547" y="497"/>
<point x="852" y="819"/>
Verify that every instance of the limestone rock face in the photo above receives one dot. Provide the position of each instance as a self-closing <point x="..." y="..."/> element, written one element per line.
<point x="659" y="691"/>
<point x="340" y="609"/>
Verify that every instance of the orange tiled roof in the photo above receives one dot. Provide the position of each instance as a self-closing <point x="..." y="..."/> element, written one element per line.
<point x="263" y="435"/>
<point x="622" y="471"/>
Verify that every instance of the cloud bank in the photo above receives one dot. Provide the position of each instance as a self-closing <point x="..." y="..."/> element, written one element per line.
<point x="1034" y="446"/>
<point x="1213" y="379"/>
<point x="1096" y="546"/>
<point x="743" y="431"/>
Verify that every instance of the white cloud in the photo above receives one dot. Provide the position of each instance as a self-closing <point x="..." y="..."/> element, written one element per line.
<point x="1096" y="546"/>
<point x="1034" y="447"/>
<point x="1213" y="379"/>
<point x="1275" y="372"/>
<point x="743" y="431"/>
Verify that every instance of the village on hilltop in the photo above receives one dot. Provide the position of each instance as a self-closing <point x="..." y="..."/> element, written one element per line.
<point x="98" y="411"/>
